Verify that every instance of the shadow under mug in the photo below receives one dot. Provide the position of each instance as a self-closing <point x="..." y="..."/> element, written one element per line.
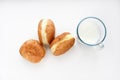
<point x="91" y="31"/>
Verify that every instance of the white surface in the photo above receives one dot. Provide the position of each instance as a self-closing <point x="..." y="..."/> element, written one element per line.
<point x="18" y="23"/>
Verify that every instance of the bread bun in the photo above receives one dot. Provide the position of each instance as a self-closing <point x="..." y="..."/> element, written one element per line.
<point x="32" y="51"/>
<point x="46" y="31"/>
<point x="62" y="43"/>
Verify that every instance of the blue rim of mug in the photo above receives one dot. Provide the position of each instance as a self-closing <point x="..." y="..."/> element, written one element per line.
<point x="104" y="30"/>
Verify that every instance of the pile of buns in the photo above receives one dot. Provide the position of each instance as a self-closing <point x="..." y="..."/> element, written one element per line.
<point x="34" y="50"/>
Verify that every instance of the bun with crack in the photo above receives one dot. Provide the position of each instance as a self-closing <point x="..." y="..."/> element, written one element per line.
<point x="62" y="43"/>
<point x="32" y="51"/>
<point x="46" y="31"/>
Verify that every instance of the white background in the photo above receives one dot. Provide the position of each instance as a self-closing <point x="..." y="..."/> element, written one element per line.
<point x="18" y="23"/>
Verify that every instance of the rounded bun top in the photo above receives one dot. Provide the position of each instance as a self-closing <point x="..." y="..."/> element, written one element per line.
<point x="46" y="31"/>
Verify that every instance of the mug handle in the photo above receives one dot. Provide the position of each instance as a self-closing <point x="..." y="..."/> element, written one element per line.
<point x="100" y="46"/>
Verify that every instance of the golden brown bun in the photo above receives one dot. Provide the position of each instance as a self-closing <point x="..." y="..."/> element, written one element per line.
<point x="32" y="51"/>
<point x="47" y="26"/>
<point x="62" y="43"/>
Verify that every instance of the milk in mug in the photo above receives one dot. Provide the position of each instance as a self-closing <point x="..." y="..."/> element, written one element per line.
<point x="89" y="32"/>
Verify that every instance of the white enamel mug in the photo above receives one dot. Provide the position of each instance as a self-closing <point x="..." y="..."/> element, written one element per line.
<point x="91" y="31"/>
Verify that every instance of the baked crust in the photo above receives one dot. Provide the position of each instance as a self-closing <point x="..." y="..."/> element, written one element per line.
<point x="39" y="31"/>
<point x="50" y="31"/>
<point x="58" y="38"/>
<point x="64" y="46"/>
<point x="32" y="51"/>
